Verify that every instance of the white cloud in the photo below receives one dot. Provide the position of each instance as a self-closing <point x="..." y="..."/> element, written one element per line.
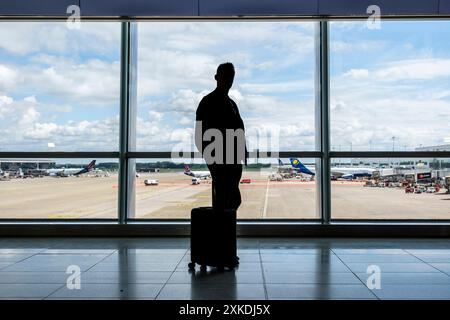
<point x="357" y="73"/>
<point x="24" y="38"/>
<point x="31" y="99"/>
<point x="185" y="121"/>
<point x="279" y="87"/>
<point x="176" y="56"/>
<point x="5" y="103"/>
<point x="415" y="69"/>
<point x="341" y="46"/>
<point x="8" y="78"/>
<point x="177" y="62"/>
<point x="369" y="113"/>
<point x="155" y="116"/>
<point x="26" y="129"/>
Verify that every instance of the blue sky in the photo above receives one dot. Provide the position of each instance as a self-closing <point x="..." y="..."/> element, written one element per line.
<point x="391" y="82"/>
<point x="61" y="86"/>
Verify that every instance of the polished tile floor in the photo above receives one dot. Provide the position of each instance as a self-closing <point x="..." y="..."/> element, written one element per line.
<point x="270" y="268"/>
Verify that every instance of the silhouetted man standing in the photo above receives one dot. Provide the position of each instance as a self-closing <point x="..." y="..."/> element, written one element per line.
<point x="222" y="140"/>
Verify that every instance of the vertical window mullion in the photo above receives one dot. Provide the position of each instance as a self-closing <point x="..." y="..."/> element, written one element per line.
<point x="324" y="76"/>
<point x="123" y="118"/>
<point x="132" y="119"/>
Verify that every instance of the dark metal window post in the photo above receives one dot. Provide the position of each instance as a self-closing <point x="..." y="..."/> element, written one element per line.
<point x="123" y="118"/>
<point x="132" y="118"/>
<point x="323" y="108"/>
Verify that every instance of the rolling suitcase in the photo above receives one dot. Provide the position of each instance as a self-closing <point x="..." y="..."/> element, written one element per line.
<point x="213" y="238"/>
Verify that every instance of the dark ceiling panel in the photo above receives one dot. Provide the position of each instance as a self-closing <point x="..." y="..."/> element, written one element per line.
<point x="36" y="7"/>
<point x="171" y="8"/>
<point x="388" y="7"/>
<point x="444" y="6"/>
<point x="133" y="8"/>
<point x="257" y="7"/>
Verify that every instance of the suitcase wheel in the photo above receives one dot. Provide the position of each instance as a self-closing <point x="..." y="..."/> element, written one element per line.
<point x="191" y="265"/>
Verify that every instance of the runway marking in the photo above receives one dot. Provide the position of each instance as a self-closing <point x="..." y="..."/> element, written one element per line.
<point x="265" y="200"/>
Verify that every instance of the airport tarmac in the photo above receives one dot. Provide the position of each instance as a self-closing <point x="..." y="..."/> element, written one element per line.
<point x="96" y="197"/>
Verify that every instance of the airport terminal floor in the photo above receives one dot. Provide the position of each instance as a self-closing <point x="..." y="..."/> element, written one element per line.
<point x="270" y="268"/>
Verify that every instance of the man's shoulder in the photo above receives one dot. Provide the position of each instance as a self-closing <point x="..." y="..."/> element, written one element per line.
<point x="206" y="100"/>
<point x="232" y="101"/>
<point x="209" y="97"/>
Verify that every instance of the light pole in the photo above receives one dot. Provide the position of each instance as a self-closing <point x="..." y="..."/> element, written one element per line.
<point x="339" y="158"/>
<point x="393" y="147"/>
<point x="351" y="149"/>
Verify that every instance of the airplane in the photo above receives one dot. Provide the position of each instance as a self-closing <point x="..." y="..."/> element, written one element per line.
<point x="282" y="166"/>
<point x="3" y="175"/>
<point x="196" y="174"/>
<point x="336" y="172"/>
<point x="300" y="167"/>
<point x="65" y="172"/>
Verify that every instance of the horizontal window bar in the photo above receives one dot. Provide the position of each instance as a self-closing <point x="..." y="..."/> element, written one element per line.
<point x="161" y="154"/>
<point x="270" y="222"/>
<point x="243" y="229"/>
<point x="252" y="154"/>
<point x="57" y="221"/>
<point x="394" y="221"/>
<point x="83" y="154"/>
<point x="390" y="154"/>
<point x="239" y="220"/>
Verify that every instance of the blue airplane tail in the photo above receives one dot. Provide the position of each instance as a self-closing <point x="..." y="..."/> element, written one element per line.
<point x="301" y="167"/>
<point x="280" y="162"/>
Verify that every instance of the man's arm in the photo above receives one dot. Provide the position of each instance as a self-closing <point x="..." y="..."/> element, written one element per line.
<point x="242" y="126"/>
<point x="199" y="117"/>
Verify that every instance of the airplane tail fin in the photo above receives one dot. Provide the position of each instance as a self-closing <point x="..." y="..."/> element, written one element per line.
<point x="86" y="169"/>
<point x="297" y="164"/>
<point x="91" y="165"/>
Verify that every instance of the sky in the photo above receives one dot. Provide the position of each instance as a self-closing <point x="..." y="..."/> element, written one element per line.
<point x="60" y="87"/>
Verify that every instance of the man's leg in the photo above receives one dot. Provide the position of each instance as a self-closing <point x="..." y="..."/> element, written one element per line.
<point x="226" y="179"/>
<point x="219" y="192"/>
<point x="234" y="177"/>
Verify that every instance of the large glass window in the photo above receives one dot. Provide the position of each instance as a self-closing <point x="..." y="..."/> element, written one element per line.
<point x="273" y="87"/>
<point x="59" y="87"/>
<point x="269" y="189"/>
<point x="390" y="86"/>
<point x="60" y="91"/>
<point x="58" y="188"/>
<point x="388" y="188"/>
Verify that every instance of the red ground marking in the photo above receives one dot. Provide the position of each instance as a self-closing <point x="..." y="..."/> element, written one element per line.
<point x="262" y="184"/>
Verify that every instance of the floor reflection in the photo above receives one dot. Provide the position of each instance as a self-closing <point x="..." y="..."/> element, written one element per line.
<point x="223" y="282"/>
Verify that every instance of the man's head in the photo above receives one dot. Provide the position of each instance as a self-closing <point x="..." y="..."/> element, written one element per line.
<point x="225" y="76"/>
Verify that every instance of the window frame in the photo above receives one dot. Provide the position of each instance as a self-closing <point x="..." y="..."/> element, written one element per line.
<point x="124" y="156"/>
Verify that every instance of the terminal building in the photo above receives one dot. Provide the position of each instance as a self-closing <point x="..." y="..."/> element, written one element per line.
<point x="443" y="147"/>
<point x="24" y="164"/>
